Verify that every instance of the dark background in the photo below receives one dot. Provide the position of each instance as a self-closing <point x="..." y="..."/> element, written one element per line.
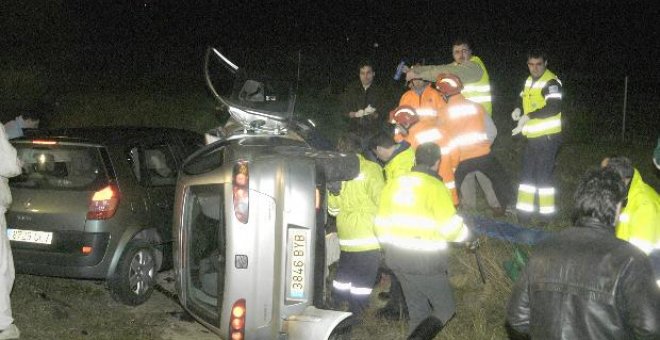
<point x="592" y="46"/>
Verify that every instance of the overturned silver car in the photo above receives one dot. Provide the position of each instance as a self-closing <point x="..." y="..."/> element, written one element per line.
<point x="250" y="217"/>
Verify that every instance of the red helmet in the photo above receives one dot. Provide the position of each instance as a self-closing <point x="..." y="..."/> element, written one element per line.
<point x="448" y="84"/>
<point x="404" y="117"/>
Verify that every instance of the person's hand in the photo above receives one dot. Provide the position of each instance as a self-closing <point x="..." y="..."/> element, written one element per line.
<point x="521" y="124"/>
<point x="360" y="113"/>
<point x="351" y="114"/>
<point x="516" y="114"/>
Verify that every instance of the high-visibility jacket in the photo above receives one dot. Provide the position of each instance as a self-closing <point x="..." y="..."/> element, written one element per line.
<point x="401" y="162"/>
<point x="356" y="207"/>
<point x="533" y="100"/>
<point x="426" y="105"/>
<point x="432" y="132"/>
<point x="639" y="222"/>
<point x="416" y="218"/>
<point x="465" y="120"/>
<point x="479" y="91"/>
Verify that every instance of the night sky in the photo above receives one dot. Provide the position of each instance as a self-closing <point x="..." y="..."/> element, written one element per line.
<point x="590" y="42"/>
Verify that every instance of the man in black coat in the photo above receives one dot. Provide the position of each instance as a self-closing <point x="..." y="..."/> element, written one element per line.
<point x="583" y="282"/>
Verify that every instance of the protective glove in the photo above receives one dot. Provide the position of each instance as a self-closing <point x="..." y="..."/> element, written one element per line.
<point x="521" y="123"/>
<point x="516" y="114"/>
<point x="359" y="113"/>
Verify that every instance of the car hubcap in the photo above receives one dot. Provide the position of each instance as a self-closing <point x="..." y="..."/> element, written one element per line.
<point x="142" y="272"/>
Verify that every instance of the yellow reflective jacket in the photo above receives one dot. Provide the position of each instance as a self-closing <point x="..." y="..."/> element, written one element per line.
<point x="356" y="207"/>
<point x="401" y="163"/>
<point x="533" y="100"/>
<point x="479" y="91"/>
<point x="639" y="222"/>
<point x="416" y="218"/>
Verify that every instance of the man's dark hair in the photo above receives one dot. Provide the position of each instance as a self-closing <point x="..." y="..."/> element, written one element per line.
<point x="597" y="196"/>
<point x="349" y="143"/>
<point x="537" y="54"/>
<point x="427" y="154"/>
<point x="621" y="165"/>
<point x="366" y="62"/>
<point x="382" y="139"/>
<point x="460" y="41"/>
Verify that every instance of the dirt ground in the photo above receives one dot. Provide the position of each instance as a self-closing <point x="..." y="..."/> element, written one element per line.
<point x="57" y="308"/>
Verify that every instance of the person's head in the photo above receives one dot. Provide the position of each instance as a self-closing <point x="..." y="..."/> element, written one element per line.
<point x="349" y="143"/>
<point x="31" y="119"/>
<point x="367" y="73"/>
<point x="599" y="195"/>
<point x="537" y="63"/>
<point x="428" y="155"/>
<point x="448" y="84"/>
<point x="383" y="146"/>
<point x="403" y="117"/>
<point x="621" y="165"/>
<point x="461" y="50"/>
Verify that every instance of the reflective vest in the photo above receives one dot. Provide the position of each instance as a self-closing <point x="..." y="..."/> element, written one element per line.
<point x="533" y="99"/>
<point x="432" y="132"/>
<point x="639" y="222"/>
<point x="400" y="164"/>
<point x="356" y="207"/>
<point x="426" y="105"/>
<point x="479" y="91"/>
<point x="417" y="214"/>
<point x="465" y="120"/>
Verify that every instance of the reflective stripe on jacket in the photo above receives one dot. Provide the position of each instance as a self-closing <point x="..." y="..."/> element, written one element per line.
<point x="465" y="120"/>
<point x="356" y="207"/>
<point x="416" y="218"/>
<point x="533" y="99"/>
<point x="479" y="91"/>
<point x="639" y="222"/>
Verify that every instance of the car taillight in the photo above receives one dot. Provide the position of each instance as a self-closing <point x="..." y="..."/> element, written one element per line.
<point x="103" y="204"/>
<point x="237" y="320"/>
<point x="241" y="191"/>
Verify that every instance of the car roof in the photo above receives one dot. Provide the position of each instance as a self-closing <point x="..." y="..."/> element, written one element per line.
<point x="108" y="134"/>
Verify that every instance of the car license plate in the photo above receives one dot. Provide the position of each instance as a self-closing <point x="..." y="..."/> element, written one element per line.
<point x="30" y="236"/>
<point x="298" y="240"/>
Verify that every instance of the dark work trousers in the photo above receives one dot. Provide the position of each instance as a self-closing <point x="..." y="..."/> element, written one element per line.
<point x="396" y="303"/>
<point x="538" y="162"/>
<point x="491" y="167"/>
<point x="427" y="295"/>
<point x="355" y="279"/>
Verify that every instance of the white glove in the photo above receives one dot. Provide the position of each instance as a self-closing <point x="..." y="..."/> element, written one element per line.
<point x="516" y="114"/>
<point x="359" y="113"/>
<point x="521" y="124"/>
<point x="365" y="112"/>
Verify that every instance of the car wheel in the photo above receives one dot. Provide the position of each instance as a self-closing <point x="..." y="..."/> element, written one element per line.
<point x="135" y="276"/>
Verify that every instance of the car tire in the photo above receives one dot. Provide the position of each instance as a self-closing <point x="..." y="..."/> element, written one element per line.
<point x="135" y="277"/>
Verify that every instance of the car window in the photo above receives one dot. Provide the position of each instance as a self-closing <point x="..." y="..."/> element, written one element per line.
<point x="59" y="167"/>
<point x="205" y="159"/>
<point x="160" y="165"/>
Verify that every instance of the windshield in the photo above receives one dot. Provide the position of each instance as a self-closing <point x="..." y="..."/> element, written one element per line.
<point x="256" y="86"/>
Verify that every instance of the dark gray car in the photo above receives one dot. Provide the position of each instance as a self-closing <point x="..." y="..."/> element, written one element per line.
<point x="97" y="203"/>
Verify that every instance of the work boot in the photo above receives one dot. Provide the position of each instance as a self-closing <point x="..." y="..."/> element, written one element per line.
<point x="10" y="332"/>
<point x="427" y="330"/>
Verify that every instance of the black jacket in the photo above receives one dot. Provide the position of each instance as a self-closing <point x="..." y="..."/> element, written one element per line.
<point x="584" y="283"/>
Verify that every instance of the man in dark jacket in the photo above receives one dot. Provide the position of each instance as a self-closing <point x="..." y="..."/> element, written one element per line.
<point x="583" y="282"/>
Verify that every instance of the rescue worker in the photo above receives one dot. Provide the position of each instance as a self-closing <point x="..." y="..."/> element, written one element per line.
<point x="422" y="97"/>
<point x="9" y="167"/>
<point x="477" y="91"/>
<point x="399" y="158"/>
<point x="540" y="123"/>
<point x="417" y="132"/>
<point x="465" y="120"/>
<point x="639" y="221"/>
<point x="416" y="219"/>
<point x="355" y="208"/>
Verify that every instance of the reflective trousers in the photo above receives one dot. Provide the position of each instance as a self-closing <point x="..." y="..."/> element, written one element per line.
<point x="6" y="274"/>
<point x="536" y="180"/>
<point x="355" y="279"/>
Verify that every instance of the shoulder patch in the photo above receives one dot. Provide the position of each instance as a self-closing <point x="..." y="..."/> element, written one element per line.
<point x="553" y="89"/>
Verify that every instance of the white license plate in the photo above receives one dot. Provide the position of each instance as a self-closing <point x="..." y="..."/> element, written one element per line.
<point x="30" y="236"/>
<point x="298" y="240"/>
